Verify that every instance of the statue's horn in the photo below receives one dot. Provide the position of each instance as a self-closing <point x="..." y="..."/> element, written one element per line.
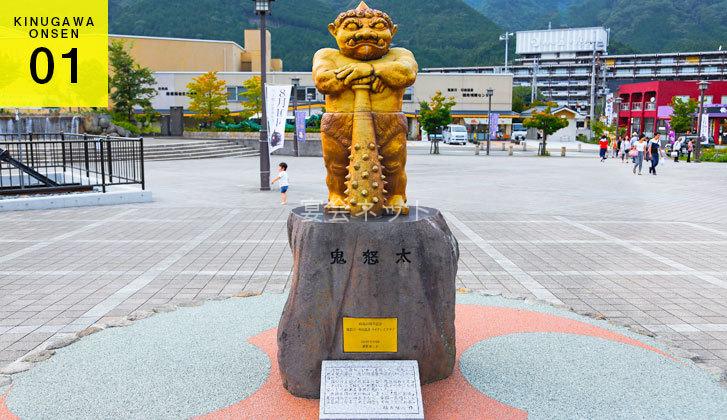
<point x="362" y="6"/>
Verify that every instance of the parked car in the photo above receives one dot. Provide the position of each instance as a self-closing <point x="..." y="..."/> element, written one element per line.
<point x="519" y="132"/>
<point x="455" y="134"/>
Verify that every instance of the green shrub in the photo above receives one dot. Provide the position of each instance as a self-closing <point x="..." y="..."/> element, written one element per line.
<point x="714" y="155"/>
<point x="128" y="126"/>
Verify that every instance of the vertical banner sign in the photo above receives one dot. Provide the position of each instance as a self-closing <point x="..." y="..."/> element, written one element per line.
<point x="278" y="98"/>
<point x="54" y="53"/>
<point x="609" y="108"/>
<point x="300" y="124"/>
<point x="493" y="125"/>
<point x="704" y="129"/>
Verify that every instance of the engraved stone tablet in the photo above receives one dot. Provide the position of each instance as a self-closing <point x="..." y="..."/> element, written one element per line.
<point x="370" y="389"/>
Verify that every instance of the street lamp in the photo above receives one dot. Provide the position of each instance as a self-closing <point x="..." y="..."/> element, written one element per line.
<point x="296" y="83"/>
<point x="489" y="94"/>
<point x="703" y="85"/>
<point x="506" y="37"/>
<point x="262" y="8"/>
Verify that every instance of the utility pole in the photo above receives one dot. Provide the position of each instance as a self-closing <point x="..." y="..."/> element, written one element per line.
<point x="506" y="37"/>
<point x="534" y="84"/>
<point x="262" y="8"/>
<point x="592" y="113"/>
<point x="703" y="85"/>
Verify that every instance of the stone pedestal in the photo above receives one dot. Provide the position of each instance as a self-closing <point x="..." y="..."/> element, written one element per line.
<point x="400" y="268"/>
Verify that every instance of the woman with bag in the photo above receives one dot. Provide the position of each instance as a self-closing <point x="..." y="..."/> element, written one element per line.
<point x="640" y="150"/>
<point x="676" y="149"/>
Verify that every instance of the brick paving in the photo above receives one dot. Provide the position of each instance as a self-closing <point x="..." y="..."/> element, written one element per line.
<point x="643" y="251"/>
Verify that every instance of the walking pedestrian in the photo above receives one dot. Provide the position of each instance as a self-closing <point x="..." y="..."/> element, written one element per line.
<point x="654" y="151"/>
<point x="676" y="149"/>
<point x="690" y="149"/>
<point x="640" y="148"/>
<point x="634" y="140"/>
<point x="603" y="147"/>
<point x="614" y="147"/>
<point x="625" y="147"/>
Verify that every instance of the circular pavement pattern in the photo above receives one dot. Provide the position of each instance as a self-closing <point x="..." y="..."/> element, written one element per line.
<point x="515" y="360"/>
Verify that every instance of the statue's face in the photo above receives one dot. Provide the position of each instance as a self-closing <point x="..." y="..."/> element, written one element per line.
<point x="363" y="38"/>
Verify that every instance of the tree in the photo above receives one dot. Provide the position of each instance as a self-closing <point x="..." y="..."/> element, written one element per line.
<point x="521" y="96"/>
<point x="209" y="97"/>
<point x="547" y="123"/>
<point x="682" y="119"/>
<point x="130" y="84"/>
<point x="252" y="97"/>
<point x="435" y="114"/>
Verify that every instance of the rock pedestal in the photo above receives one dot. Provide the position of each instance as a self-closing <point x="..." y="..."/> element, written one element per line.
<point x="393" y="267"/>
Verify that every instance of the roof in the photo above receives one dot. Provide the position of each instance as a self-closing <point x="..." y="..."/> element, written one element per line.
<point x="212" y="41"/>
<point x="542" y="108"/>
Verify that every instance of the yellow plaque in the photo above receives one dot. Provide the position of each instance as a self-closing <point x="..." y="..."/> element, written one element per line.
<point x="54" y="53"/>
<point x="370" y="335"/>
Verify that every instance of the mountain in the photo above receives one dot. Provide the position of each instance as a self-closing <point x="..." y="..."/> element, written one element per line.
<point x="636" y="26"/>
<point x="440" y="33"/>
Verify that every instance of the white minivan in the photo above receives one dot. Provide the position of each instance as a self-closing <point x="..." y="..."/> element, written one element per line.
<point x="455" y="134"/>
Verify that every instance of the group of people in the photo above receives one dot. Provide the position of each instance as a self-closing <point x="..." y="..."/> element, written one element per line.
<point x="639" y="148"/>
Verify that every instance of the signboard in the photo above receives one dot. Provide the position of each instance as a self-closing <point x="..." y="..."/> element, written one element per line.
<point x="704" y="129"/>
<point x="370" y="335"/>
<point x="278" y="98"/>
<point x="609" y="108"/>
<point x="54" y="53"/>
<point x="300" y="125"/>
<point x="493" y="126"/>
<point x="370" y="389"/>
<point x="561" y="40"/>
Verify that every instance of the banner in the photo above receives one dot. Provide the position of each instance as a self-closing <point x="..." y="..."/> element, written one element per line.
<point x="609" y="108"/>
<point x="495" y="120"/>
<point x="278" y="98"/>
<point x="300" y="125"/>
<point x="704" y="129"/>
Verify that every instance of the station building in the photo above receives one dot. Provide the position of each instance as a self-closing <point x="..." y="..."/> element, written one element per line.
<point x="646" y="107"/>
<point x="175" y="62"/>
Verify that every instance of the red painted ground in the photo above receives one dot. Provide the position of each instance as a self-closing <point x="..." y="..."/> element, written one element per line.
<point x="452" y="398"/>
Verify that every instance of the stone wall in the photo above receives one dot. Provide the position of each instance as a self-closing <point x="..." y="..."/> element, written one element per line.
<point x="310" y="147"/>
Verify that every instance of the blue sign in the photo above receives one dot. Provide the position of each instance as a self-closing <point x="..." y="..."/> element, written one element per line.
<point x="300" y="125"/>
<point x="494" y="121"/>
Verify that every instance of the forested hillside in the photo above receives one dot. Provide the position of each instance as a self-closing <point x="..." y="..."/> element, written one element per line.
<point x="441" y="33"/>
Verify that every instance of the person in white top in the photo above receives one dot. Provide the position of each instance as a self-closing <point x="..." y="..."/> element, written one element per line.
<point x="284" y="183"/>
<point x="640" y="147"/>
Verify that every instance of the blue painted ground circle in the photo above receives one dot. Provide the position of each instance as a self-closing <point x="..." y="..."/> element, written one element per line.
<point x="553" y="375"/>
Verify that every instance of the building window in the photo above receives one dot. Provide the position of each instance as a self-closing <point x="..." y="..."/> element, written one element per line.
<point x="708" y="99"/>
<point x="636" y="124"/>
<point x="666" y="60"/>
<point x="232" y="94"/>
<point x="689" y="70"/>
<point x="683" y="98"/>
<point x="724" y="100"/>
<point x="409" y="94"/>
<point x="649" y="125"/>
<point x="666" y="70"/>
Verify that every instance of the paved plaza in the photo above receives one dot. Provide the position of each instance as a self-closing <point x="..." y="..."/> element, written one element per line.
<point x="644" y="251"/>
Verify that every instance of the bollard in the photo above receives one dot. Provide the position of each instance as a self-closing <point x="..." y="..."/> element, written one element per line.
<point x="562" y="151"/>
<point x="525" y="147"/>
<point x="580" y="147"/>
<point x="509" y="152"/>
<point x="503" y="146"/>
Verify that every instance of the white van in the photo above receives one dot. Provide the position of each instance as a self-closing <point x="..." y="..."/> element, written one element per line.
<point x="455" y="134"/>
<point x="519" y="132"/>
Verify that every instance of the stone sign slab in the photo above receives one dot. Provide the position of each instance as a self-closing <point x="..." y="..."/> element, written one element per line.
<point x="370" y="389"/>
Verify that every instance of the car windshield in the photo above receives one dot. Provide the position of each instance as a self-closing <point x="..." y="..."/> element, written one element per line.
<point x="518" y="127"/>
<point x="459" y="129"/>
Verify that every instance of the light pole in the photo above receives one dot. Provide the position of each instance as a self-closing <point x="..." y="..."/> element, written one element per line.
<point x="489" y="94"/>
<point x="262" y="8"/>
<point x="296" y="82"/>
<point x="703" y="85"/>
<point x="506" y="37"/>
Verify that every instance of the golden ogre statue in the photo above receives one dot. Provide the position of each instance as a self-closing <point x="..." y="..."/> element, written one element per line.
<point x="364" y="131"/>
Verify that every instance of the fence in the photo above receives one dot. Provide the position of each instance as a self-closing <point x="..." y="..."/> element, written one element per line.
<point x="53" y="162"/>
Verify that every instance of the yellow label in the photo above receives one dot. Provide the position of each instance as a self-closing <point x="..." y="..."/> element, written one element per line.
<point x="370" y="335"/>
<point x="35" y="35"/>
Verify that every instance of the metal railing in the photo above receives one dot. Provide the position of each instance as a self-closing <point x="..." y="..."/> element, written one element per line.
<point x="52" y="162"/>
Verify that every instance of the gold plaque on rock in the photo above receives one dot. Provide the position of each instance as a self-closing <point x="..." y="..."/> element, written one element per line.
<point x="370" y="335"/>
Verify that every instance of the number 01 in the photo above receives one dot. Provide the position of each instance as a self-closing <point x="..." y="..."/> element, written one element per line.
<point x="72" y="54"/>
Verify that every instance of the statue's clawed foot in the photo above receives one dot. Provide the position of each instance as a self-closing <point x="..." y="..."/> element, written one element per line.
<point x="396" y="204"/>
<point x="336" y="203"/>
